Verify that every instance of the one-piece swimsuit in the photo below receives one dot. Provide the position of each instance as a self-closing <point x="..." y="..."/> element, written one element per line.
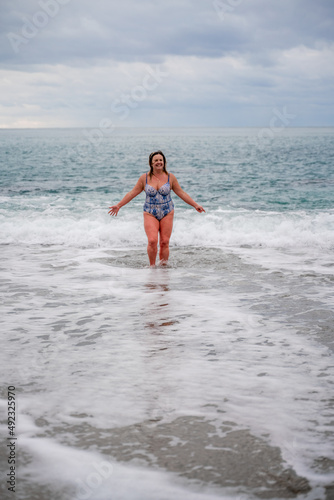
<point x="158" y="202"/>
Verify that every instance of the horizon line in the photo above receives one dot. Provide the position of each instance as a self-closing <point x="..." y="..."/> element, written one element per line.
<point x="162" y="126"/>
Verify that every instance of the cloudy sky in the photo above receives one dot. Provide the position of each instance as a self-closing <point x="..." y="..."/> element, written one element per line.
<point x="102" y="63"/>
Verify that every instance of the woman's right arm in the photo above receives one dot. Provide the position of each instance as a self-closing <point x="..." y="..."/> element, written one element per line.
<point x="139" y="187"/>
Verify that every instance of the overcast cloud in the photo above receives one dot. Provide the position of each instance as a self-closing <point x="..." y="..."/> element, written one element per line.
<point x="104" y="63"/>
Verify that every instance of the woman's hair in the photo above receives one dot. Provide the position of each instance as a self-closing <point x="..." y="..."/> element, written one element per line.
<point x="151" y="159"/>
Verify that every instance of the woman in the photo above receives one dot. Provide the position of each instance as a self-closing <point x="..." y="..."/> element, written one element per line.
<point x="158" y="207"/>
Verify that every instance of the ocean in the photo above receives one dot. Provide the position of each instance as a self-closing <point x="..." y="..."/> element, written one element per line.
<point x="210" y="378"/>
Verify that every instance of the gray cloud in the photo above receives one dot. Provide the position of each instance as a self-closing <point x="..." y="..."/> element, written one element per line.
<point x="150" y="30"/>
<point x="76" y="57"/>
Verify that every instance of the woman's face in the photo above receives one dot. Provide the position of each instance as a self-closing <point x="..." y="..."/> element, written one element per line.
<point x="158" y="162"/>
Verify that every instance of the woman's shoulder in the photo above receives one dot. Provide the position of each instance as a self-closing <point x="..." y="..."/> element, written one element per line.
<point x="143" y="177"/>
<point x="141" y="181"/>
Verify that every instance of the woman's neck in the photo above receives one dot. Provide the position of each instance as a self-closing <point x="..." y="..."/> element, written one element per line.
<point x="158" y="173"/>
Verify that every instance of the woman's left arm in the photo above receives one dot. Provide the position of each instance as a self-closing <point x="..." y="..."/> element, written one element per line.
<point x="183" y="195"/>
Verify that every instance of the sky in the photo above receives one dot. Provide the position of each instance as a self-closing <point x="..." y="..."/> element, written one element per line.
<point x="166" y="63"/>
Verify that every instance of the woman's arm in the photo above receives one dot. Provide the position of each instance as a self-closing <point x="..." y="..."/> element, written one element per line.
<point x="139" y="187"/>
<point x="183" y="195"/>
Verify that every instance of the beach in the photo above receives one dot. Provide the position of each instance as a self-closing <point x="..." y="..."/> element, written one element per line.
<point x="211" y="378"/>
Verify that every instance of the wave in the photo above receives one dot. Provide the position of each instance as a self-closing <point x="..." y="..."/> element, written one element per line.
<point x="220" y="228"/>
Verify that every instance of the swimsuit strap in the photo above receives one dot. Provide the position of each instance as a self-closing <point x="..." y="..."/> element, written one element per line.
<point x="146" y="178"/>
<point x="168" y="177"/>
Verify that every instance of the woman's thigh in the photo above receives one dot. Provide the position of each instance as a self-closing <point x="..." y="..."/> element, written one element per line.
<point x="166" y="226"/>
<point x="151" y="226"/>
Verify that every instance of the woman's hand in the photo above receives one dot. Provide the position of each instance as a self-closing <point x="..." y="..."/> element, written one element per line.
<point x="199" y="208"/>
<point x="114" y="210"/>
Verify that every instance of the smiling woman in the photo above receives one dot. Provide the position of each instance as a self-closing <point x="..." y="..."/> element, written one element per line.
<point x="158" y="207"/>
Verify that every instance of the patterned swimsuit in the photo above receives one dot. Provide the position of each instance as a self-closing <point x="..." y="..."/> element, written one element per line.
<point x="158" y="201"/>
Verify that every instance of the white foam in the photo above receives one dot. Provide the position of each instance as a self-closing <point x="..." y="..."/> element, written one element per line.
<point x="158" y="331"/>
<point x="264" y="376"/>
<point x="84" y="475"/>
<point x="219" y="228"/>
<point x="258" y="229"/>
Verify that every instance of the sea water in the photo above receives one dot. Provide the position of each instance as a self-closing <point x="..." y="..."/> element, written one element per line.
<point x="211" y="378"/>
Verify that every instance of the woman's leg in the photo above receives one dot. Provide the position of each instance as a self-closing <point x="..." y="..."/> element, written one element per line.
<point x="151" y="225"/>
<point x="166" y="226"/>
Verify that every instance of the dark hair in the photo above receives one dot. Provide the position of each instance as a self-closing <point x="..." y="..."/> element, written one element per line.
<point x="151" y="158"/>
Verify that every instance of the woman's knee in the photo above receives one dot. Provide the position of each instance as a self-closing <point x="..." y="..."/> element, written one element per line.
<point x="152" y="242"/>
<point x="164" y="242"/>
